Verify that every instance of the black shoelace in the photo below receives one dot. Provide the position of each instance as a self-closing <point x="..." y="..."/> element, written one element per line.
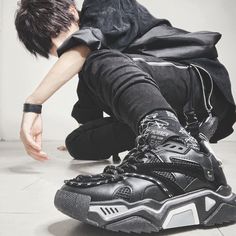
<point x="111" y="173"/>
<point x="134" y="157"/>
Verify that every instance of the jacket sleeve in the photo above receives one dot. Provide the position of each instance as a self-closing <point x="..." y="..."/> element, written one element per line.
<point x="107" y="24"/>
<point x="91" y="37"/>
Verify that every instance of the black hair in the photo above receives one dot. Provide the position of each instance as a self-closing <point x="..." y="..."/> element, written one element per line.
<point x="37" y="21"/>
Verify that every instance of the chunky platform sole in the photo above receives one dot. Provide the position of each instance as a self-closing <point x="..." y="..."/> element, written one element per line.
<point x="203" y="207"/>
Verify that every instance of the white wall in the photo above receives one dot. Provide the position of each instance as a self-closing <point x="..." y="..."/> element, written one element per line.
<point x="1" y="8"/>
<point x="20" y="72"/>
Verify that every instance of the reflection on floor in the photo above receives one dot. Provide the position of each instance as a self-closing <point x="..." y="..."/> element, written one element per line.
<point x="28" y="188"/>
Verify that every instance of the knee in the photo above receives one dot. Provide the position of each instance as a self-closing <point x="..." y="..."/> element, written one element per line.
<point x="73" y="144"/>
<point x="80" y="145"/>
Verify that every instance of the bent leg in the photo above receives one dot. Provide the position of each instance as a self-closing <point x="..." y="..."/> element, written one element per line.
<point x="121" y="87"/>
<point x="164" y="167"/>
<point x="100" y="139"/>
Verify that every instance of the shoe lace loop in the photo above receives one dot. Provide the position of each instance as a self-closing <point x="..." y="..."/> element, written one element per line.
<point x="134" y="157"/>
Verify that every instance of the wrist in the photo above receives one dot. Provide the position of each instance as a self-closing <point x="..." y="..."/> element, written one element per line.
<point x="33" y="100"/>
<point x="32" y="108"/>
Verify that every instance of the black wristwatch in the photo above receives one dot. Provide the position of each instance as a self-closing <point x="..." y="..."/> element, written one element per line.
<point x="32" y="108"/>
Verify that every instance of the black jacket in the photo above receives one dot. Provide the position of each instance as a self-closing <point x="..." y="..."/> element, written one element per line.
<point x="127" y="26"/>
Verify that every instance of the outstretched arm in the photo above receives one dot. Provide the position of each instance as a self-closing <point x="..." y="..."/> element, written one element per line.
<point x="67" y="66"/>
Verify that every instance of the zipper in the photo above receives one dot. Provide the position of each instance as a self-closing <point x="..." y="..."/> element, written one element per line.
<point x="209" y="108"/>
<point x="161" y="63"/>
<point x="207" y="102"/>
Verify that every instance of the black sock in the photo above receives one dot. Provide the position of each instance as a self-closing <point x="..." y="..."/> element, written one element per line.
<point x="157" y="125"/>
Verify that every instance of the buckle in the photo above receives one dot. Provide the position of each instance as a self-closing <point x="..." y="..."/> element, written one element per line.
<point x="192" y="124"/>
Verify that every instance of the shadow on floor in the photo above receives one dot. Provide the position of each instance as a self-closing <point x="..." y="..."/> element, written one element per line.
<point x="79" y="167"/>
<point x="20" y="169"/>
<point x="74" y="228"/>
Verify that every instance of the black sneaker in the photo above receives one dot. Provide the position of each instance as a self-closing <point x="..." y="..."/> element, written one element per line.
<point x="159" y="188"/>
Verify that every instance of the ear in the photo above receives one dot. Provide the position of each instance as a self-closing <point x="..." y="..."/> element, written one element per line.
<point x="74" y="11"/>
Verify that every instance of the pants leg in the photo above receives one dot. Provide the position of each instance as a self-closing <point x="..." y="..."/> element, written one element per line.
<point x="85" y="109"/>
<point x="122" y="87"/>
<point x="127" y="88"/>
<point x="99" y="139"/>
<point x="173" y="80"/>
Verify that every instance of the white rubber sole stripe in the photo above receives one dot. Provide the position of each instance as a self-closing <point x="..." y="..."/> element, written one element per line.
<point x="125" y="211"/>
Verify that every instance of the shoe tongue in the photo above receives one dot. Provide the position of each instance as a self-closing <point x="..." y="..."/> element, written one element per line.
<point x="158" y="136"/>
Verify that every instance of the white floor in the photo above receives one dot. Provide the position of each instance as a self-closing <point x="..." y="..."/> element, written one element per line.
<point x="27" y="190"/>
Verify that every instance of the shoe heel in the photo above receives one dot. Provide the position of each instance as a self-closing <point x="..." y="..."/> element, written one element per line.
<point x="225" y="213"/>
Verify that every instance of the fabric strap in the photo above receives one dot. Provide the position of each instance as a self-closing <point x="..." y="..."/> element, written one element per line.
<point x="32" y="108"/>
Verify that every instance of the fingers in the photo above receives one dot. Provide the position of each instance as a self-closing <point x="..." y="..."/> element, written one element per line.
<point x="38" y="140"/>
<point x="30" y="141"/>
<point x="31" y="136"/>
<point x="33" y="148"/>
<point x="37" y="155"/>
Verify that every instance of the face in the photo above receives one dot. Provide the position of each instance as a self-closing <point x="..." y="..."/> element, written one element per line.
<point x="58" y="41"/>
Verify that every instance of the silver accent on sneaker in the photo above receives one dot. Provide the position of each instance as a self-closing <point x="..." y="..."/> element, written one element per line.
<point x="182" y="216"/>
<point x="125" y="211"/>
<point x="209" y="203"/>
<point x="108" y="212"/>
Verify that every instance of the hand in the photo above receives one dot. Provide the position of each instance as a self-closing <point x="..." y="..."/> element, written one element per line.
<point x="31" y="135"/>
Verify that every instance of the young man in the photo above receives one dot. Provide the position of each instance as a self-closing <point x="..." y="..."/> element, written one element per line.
<point x="160" y="85"/>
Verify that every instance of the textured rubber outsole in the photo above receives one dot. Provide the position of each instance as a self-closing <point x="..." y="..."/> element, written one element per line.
<point x="205" y="208"/>
<point x="73" y="205"/>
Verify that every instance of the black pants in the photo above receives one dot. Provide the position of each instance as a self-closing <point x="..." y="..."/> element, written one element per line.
<point x="127" y="87"/>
